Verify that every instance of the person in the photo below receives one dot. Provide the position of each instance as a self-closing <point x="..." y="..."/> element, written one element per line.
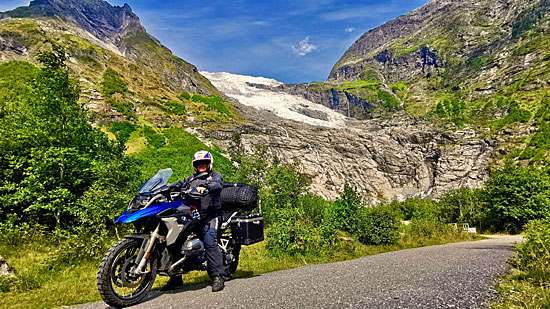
<point x="205" y="180"/>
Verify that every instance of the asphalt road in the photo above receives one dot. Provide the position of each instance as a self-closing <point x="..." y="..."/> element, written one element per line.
<point x="460" y="275"/>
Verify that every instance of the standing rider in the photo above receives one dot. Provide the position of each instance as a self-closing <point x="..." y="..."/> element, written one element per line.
<point x="205" y="180"/>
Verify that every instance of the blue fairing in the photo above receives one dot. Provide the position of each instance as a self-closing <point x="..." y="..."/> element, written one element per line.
<point x="133" y="215"/>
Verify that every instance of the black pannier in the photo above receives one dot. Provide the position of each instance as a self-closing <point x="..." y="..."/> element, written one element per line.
<point x="238" y="196"/>
<point x="247" y="230"/>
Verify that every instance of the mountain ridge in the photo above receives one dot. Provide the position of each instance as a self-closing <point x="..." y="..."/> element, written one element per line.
<point x="121" y="32"/>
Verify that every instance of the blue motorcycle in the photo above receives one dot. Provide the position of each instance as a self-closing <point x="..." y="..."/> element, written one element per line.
<point x="167" y="240"/>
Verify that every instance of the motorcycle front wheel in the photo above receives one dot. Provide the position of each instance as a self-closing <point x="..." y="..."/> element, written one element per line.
<point x="116" y="282"/>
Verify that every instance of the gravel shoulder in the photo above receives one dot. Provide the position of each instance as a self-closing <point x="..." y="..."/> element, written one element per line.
<point x="459" y="275"/>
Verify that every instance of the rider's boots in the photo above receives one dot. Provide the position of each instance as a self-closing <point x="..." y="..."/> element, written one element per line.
<point x="174" y="283"/>
<point x="217" y="284"/>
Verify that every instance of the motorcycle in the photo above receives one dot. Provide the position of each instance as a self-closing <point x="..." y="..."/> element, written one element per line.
<point x="167" y="240"/>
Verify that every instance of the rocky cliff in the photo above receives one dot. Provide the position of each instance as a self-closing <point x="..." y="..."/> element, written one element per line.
<point x="384" y="158"/>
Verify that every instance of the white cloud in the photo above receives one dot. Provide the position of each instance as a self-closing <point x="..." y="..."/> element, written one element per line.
<point x="349" y="30"/>
<point x="303" y="48"/>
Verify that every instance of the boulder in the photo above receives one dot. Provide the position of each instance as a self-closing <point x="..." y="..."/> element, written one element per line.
<point x="5" y="269"/>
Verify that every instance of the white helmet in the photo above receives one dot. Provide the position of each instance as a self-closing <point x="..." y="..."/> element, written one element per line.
<point x="203" y="156"/>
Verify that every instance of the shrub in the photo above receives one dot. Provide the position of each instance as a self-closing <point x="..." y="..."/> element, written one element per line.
<point x="185" y="96"/>
<point x="463" y="205"/>
<point x="82" y="244"/>
<point x="514" y="196"/>
<point x="122" y="130"/>
<point x="534" y="253"/>
<point x="451" y="107"/>
<point x="292" y="233"/>
<point x="123" y="107"/>
<point x="154" y="138"/>
<point x="50" y="154"/>
<point x="112" y="83"/>
<point x="428" y="228"/>
<point x="174" y="108"/>
<point x="345" y="210"/>
<point x="413" y="208"/>
<point x="390" y="102"/>
<point x="376" y="226"/>
<point x="212" y="103"/>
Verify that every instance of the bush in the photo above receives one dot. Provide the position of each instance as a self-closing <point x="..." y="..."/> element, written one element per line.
<point x="212" y="103"/>
<point x="82" y="244"/>
<point x="123" y="107"/>
<point x="452" y="108"/>
<point x="428" y="228"/>
<point x="292" y="233"/>
<point x="112" y="83"/>
<point x="463" y="205"/>
<point x="185" y="96"/>
<point x="345" y="210"/>
<point x="50" y="154"/>
<point x="413" y="207"/>
<point x="376" y="226"/>
<point x="13" y="232"/>
<point x="154" y="138"/>
<point x="514" y="196"/>
<point x="534" y="253"/>
<point x="122" y="130"/>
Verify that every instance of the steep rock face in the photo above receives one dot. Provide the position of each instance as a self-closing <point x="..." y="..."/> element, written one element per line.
<point x="423" y="62"/>
<point x="382" y="159"/>
<point x="106" y="22"/>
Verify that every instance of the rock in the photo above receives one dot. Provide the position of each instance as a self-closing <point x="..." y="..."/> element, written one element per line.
<point x="5" y="269"/>
<point x="384" y="159"/>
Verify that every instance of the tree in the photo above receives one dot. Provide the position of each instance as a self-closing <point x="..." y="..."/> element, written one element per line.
<point x="51" y="154"/>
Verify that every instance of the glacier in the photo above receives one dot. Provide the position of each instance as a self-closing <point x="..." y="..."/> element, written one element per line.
<point x="281" y="104"/>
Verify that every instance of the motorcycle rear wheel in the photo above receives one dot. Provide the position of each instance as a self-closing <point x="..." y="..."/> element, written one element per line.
<point x="116" y="284"/>
<point x="231" y="263"/>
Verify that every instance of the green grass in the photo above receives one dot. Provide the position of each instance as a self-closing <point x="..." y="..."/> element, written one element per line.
<point x="519" y="291"/>
<point x="359" y="85"/>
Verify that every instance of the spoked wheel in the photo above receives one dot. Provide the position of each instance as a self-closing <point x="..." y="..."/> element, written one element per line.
<point x="116" y="282"/>
<point x="231" y="260"/>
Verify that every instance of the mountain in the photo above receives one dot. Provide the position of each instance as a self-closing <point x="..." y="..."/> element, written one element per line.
<point x="102" y="40"/>
<point x="435" y="98"/>
<point x="417" y="107"/>
<point x="463" y="54"/>
<point x="382" y="158"/>
<point x="475" y="50"/>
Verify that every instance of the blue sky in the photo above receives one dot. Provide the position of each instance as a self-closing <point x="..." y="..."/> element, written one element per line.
<point x="291" y="41"/>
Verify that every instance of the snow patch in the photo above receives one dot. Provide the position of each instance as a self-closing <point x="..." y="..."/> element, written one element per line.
<point x="281" y="104"/>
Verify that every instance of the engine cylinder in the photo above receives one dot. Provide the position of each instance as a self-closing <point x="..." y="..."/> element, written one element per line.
<point x="192" y="247"/>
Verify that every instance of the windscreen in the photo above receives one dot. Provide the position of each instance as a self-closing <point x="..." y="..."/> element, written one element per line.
<point x="157" y="181"/>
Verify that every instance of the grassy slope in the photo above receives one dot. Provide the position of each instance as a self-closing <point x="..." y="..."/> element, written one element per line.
<point x="147" y="95"/>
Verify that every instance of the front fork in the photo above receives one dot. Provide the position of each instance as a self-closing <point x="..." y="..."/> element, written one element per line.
<point x="143" y="256"/>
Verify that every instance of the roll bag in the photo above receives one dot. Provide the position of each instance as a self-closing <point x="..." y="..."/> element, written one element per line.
<point x="238" y="196"/>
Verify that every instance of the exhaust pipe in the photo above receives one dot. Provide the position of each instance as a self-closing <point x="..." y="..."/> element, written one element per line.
<point x="175" y="265"/>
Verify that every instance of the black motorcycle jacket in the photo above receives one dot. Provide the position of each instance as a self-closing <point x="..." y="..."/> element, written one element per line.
<point x="212" y="181"/>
